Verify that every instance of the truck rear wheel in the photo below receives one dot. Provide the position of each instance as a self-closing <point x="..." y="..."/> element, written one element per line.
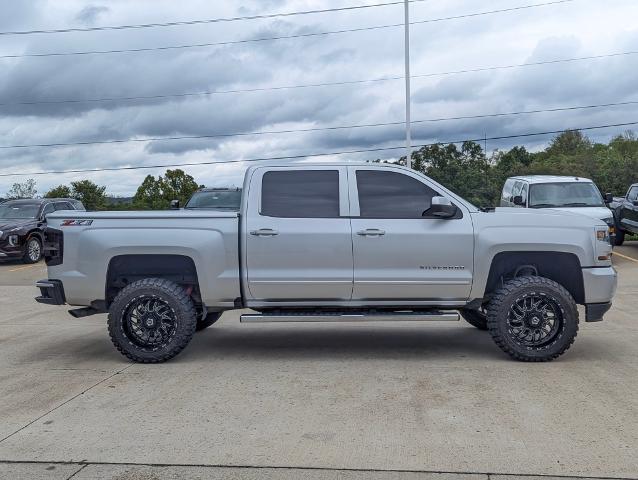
<point x="533" y="319"/>
<point x="208" y="320"/>
<point x="476" y="318"/>
<point x="152" y="320"/>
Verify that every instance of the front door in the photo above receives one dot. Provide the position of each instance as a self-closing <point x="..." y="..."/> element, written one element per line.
<point x="400" y="255"/>
<point x="298" y="237"/>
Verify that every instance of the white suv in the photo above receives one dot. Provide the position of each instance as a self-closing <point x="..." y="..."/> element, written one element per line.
<point x="572" y="194"/>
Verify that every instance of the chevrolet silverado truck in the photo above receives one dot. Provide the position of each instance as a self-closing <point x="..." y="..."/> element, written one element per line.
<point x="333" y="243"/>
<point x="626" y="214"/>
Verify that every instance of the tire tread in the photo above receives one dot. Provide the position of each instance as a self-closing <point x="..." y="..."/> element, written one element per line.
<point x="182" y="336"/>
<point x="497" y="304"/>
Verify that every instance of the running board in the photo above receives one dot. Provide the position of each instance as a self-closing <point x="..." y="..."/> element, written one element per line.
<point x="425" y="316"/>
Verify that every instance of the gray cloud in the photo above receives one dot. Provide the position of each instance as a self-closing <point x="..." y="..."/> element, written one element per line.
<point x="89" y="14"/>
<point x="534" y="35"/>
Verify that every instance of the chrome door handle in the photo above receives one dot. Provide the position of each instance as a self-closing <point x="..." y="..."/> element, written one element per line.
<point x="371" y="232"/>
<point x="264" y="232"/>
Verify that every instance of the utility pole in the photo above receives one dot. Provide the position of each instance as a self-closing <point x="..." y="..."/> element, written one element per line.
<point x="408" y="131"/>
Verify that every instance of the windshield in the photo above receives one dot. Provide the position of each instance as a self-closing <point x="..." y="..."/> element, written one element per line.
<point x="222" y="200"/>
<point x="19" y="211"/>
<point x="574" y="194"/>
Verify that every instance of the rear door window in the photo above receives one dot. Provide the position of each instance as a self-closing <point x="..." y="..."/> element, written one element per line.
<point x="300" y="194"/>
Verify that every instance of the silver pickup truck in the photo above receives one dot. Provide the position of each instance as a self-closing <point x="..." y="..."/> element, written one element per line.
<point x="336" y="243"/>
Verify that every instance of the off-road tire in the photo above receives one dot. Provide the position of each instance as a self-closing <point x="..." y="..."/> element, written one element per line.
<point x="208" y="320"/>
<point x="513" y="290"/>
<point x="475" y="318"/>
<point x="27" y="258"/>
<point x="620" y="237"/>
<point x="179" y="302"/>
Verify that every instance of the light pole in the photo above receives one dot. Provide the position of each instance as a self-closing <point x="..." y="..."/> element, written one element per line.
<point x="408" y="132"/>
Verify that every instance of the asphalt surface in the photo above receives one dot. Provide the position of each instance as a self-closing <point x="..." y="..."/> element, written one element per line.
<point x="398" y="401"/>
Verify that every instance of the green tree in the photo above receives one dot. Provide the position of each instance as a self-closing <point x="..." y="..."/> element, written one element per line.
<point x="61" y="191"/>
<point x="25" y="189"/>
<point x="90" y="194"/>
<point x="157" y="193"/>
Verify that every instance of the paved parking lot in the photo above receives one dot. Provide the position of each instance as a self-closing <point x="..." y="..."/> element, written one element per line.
<point x="398" y="401"/>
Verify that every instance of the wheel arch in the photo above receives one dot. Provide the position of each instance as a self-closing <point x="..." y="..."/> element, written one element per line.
<point x="125" y="269"/>
<point x="564" y="268"/>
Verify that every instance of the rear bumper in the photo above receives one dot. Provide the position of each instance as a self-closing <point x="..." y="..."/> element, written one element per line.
<point x="51" y="292"/>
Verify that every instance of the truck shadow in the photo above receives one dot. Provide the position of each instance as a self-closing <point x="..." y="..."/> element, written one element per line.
<point x="341" y="342"/>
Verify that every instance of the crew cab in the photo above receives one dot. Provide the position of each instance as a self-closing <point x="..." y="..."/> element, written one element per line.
<point x="23" y="223"/>
<point x="337" y="243"/>
<point x="626" y="214"/>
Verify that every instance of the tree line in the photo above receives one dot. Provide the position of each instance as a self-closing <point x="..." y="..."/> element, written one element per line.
<point x="465" y="169"/>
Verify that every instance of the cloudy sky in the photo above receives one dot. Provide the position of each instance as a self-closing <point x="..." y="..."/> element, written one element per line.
<point x="574" y="29"/>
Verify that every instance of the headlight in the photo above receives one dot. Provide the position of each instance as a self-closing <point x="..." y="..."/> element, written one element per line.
<point x="602" y="235"/>
<point x="0" y="233"/>
<point x="603" y="246"/>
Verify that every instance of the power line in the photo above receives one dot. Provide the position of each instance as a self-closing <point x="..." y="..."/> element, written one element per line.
<point x="281" y="37"/>
<point x="313" y="129"/>
<point x="315" y="85"/>
<point x="205" y="21"/>
<point x="309" y="155"/>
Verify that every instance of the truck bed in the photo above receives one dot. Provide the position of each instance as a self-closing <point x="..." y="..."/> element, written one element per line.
<point x="209" y="238"/>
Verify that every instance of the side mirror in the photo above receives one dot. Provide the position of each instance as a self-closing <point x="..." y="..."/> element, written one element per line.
<point x="174" y="204"/>
<point x="609" y="198"/>
<point x="635" y="203"/>
<point x="518" y="200"/>
<point x="441" y="208"/>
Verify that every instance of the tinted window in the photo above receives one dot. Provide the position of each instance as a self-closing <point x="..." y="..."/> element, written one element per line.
<point x="300" y="194"/>
<point x="565" y="194"/>
<point x="392" y="195"/>
<point x="48" y="209"/>
<point x="63" y="206"/>
<point x="216" y="199"/>
<point x="524" y="194"/>
<point x="633" y="194"/>
<point x="13" y="210"/>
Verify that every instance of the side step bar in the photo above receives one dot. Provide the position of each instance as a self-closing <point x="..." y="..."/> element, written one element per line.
<point x="424" y="316"/>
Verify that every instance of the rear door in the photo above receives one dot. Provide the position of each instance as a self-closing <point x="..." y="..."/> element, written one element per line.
<point x="298" y="236"/>
<point x="398" y="253"/>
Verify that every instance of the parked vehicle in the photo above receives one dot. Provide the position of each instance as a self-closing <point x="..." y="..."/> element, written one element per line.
<point x="215" y="199"/>
<point x="570" y="194"/>
<point x="333" y="243"/>
<point x="626" y="214"/>
<point x="23" y="223"/>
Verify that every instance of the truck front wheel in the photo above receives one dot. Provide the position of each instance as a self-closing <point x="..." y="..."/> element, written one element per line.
<point x="152" y="320"/>
<point x="620" y="237"/>
<point x="533" y="319"/>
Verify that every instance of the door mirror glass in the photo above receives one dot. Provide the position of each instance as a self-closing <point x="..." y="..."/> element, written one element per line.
<point x="441" y="208"/>
<point x="518" y="200"/>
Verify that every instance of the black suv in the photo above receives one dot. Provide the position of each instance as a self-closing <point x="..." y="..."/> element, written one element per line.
<point x="23" y="223"/>
<point x="626" y="213"/>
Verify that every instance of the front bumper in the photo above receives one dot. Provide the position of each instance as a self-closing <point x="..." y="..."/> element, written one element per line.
<point x="600" y="284"/>
<point x="594" y="312"/>
<point x="51" y="292"/>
